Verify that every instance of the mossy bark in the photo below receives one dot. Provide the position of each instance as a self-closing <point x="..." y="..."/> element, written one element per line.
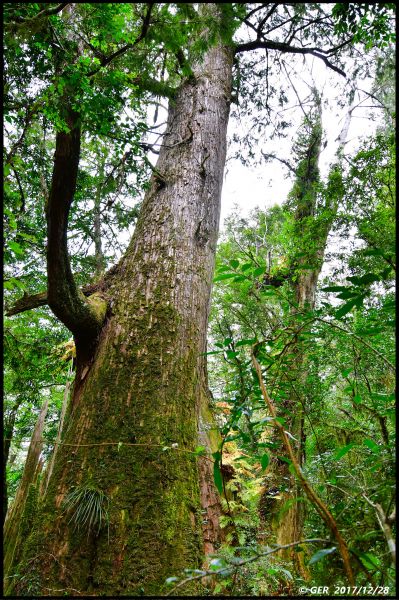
<point x="312" y="231"/>
<point x="287" y="516"/>
<point x="145" y="385"/>
<point x="21" y="513"/>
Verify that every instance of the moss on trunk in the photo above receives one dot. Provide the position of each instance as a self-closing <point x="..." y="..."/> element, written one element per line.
<point x="133" y="420"/>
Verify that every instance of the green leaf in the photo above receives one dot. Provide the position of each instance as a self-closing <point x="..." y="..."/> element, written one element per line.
<point x="321" y="554"/>
<point x="264" y="461"/>
<point x="369" y="278"/>
<point x="372" y="445"/>
<point x="334" y="288"/>
<point x="354" y="279"/>
<point x="370" y="561"/>
<point x="234" y="263"/>
<point x="224" y="276"/>
<point x="246" y="266"/>
<point x="342" y="451"/>
<point x="346" y="372"/>
<point x="200" y="450"/>
<point x="217" y="477"/>
<point x="373" y="252"/>
<point x="357" y="399"/>
<point x="286" y="573"/>
<point x="216" y="564"/>
<point x="370" y="331"/>
<point x="223" y="269"/>
<point x="348" y="307"/>
<point x="348" y="294"/>
<point x="258" y="271"/>
<point x="15" y="247"/>
<point x="284" y="459"/>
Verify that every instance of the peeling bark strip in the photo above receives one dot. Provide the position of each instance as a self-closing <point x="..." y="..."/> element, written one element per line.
<point x="146" y="384"/>
<point x="49" y="470"/>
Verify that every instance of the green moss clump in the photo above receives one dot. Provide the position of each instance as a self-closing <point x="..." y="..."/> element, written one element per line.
<point x="98" y="305"/>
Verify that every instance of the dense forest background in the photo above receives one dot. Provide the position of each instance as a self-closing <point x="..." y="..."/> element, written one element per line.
<point x="159" y="440"/>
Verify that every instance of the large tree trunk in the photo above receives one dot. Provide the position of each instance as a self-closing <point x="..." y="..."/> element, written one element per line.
<point x="145" y="385"/>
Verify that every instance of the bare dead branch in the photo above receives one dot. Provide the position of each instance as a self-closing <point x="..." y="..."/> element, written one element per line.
<point x="282" y="47"/>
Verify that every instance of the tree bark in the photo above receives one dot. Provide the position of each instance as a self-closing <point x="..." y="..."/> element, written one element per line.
<point x="289" y="526"/>
<point x="146" y="383"/>
<point x="50" y="466"/>
<point x="20" y="514"/>
<point x="83" y="318"/>
<point x="9" y="423"/>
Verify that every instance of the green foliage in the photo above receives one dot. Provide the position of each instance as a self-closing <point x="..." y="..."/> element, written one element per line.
<point x="368" y="23"/>
<point x="347" y="341"/>
<point x="321" y="554"/>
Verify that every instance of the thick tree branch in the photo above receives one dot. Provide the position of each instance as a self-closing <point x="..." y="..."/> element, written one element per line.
<point x="253" y="11"/>
<point x="83" y="318"/>
<point x="29" y="302"/>
<point x="27" y="122"/>
<point x="282" y="47"/>
<point x="50" y="11"/>
<point x="269" y="156"/>
<point x="242" y="562"/>
<point x="144" y="29"/>
<point x="21" y="191"/>
<point x="47" y="12"/>
<point x="384" y="523"/>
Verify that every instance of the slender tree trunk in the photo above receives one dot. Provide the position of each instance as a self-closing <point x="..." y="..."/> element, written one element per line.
<point x="9" y="423"/>
<point x="98" y="250"/>
<point x="144" y="392"/>
<point x="20" y="514"/>
<point x="289" y="525"/>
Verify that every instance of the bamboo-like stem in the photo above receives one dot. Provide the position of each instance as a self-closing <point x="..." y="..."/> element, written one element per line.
<point x="307" y="488"/>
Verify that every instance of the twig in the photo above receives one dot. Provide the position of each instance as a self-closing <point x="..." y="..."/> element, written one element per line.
<point x="257" y="556"/>
<point x="307" y="488"/>
<point x="386" y="361"/>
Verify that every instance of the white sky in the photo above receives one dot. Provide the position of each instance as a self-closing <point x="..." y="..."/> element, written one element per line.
<point x="268" y="184"/>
